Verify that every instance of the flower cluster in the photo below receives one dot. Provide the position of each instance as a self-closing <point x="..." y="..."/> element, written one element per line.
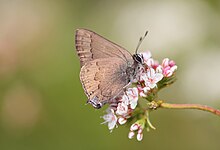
<point x="151" y="77"/>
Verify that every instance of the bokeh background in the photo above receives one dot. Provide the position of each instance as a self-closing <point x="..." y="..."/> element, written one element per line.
<point x="42" y="104"/>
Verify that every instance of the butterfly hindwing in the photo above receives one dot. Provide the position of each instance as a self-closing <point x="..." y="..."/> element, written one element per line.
<point x="103" y="82"/>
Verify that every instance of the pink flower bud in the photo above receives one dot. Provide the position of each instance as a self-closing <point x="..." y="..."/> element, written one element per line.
<point x="150" y="62"/>
<point x="139" y="136"/>
<point x="131" y="134"/>
<point x="173" y="68"/>
<point x="167" y="72"/>
<point x="122" y="120"/>
<point x="172" y="63"/>
<point x="140" y="131"/>
<point x="134" y="127"/>
<point x="165" y="62"/>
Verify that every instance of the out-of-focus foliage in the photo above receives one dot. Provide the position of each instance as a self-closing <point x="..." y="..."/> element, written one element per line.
<point x="42" y="104"/>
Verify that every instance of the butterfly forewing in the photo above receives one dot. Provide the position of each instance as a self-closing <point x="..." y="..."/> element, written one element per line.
<point x="92" y="46"/>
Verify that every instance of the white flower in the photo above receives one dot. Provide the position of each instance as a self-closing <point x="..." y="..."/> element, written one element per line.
<point x="150" y="62"/>
<point x="142" y="94"/>
<point x="134" y="127"/>
<point x="110" y="118"/>
<point x="139" y="136"/>
<point x="143" y="77"/>
<point x="122" y="120"/>
<point x="146" y="55"/>
<point x="153" y="77"/>
<point x="131" y="134"/>
<point x="165" y="62"/>
<point x="143" y="91"/>
<point x="159" y="69"/>
<point x="125" y="99"/>
<point x="174" y="68"/>
<point x="122" y="109"/>
<point x="132" y="94"/>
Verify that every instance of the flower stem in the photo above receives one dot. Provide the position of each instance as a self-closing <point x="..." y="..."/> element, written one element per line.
<point x="190" y="106"/>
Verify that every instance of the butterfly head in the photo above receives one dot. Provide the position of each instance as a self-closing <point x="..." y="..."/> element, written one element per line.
<point x="138" y="58"/>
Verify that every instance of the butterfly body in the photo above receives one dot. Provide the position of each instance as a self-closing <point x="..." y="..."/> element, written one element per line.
<point x="106" y="68"/>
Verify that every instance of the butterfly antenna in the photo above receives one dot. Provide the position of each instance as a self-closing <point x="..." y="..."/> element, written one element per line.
<point x="140" y="41"/>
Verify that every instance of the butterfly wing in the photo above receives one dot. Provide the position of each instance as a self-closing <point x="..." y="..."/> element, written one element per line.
<point x="103" y="79"/>
<point x="91" y="46"/>
<point x="104" y="67"/>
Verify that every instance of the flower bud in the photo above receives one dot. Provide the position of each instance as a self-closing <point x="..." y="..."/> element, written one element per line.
<point x="131" y="134"/>
<point x="122" y="120"/>
<point x="140" y="131"/>
<point x="134" y="127"/>
<point x="165" y="62"/>
<point x="139" y="136"/>
<point x="172" y="63"/>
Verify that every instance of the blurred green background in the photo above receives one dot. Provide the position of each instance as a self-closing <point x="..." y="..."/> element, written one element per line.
<point x="42" y="104"/>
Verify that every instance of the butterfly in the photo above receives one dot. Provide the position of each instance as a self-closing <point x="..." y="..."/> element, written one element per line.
<point x="106" y="68"/>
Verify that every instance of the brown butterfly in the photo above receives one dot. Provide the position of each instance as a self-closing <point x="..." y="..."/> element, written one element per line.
<point x="106" y="68"/>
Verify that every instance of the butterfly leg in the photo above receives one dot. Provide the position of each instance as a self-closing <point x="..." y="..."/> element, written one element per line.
<point x="126" y="86"/>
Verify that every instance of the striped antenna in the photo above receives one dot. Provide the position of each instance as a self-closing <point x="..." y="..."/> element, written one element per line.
<point x="140" y="41"/>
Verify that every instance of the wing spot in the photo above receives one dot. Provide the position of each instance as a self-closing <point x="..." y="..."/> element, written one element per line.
<point x="91" y="93"/>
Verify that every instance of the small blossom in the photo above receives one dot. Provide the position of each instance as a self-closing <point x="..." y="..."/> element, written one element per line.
<point x="131" y="134"/>
<point x="125" y="99"/>
<point x="155" y="65"/>
<point x="122" y="109"/>
<point x="172" y="63"/>
<point x="140" y="131"/>
<point x="153" y="77"/>
<point x="110" y="118"/>
<point x="139" y="136"/>
<point x="165" y="62"/>
<point x="143" y="77"/>
<point x="173" y="68"/>
<point x="142" y="94"/>
<point x="168" y="67"/>
<point x="122" y="120"/>
<point x="167" y="72"/>
<point x="159" y="69"/>
<point x="150" y="62"/>
<point x="134" y="127"/>
<point x="143" y="91"/>
<point x="146" y="55"/>
<point x="132" y="94"/>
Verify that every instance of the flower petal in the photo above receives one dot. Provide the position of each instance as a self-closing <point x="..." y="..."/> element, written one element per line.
<point x="165" y="62"/>
<point x="150" y="73"/>
<point x="146" y="55"/>
<point x="122" y="109"/>
<point x="158" y="77"/>
<point x="122" y="120"/>
<point x="174" y="68"/>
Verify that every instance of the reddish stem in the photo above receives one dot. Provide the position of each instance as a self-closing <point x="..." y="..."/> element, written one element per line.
<point x="190" y="106"/>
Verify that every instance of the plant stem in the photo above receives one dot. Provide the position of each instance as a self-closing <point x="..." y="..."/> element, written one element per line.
<point x="190" y="106"/>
